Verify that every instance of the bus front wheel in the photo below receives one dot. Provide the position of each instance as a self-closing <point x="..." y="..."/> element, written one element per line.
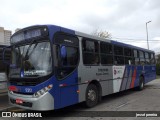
<point x="91" y="95"/>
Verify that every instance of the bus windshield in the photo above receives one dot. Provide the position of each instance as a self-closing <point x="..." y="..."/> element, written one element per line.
<point x="31" y="60"/>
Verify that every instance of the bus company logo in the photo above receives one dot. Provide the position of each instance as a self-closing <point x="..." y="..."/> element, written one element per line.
<point x="117" y="72"/>
<point x="6" y="114"/>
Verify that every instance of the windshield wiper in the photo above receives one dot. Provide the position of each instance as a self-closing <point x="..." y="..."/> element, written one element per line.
<point x="26" y="57"/>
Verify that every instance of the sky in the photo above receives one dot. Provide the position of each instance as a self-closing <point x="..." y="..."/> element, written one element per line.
<point x="124" y="19"/>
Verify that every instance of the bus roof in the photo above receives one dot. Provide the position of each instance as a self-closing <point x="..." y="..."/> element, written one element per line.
<point x="73" y="32"/>
<point x="130" y="46"/>
<point x="111" y="41"/>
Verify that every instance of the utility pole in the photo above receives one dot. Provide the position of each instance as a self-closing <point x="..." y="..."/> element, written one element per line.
<point x="147" y="33"/>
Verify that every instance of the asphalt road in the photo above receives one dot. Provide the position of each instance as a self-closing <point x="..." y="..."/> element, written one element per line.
<point x="4" y="101"/>
<point x="146" y="100"/>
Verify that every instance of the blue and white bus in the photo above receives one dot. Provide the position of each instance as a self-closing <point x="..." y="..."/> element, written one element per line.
<point x="53" y="67"/>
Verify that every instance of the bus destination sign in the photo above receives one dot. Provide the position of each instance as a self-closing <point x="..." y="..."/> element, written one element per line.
<point x="28" y="34"/>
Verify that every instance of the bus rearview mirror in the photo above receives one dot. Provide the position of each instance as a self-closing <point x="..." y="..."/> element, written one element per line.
<point x="63" y="52"/>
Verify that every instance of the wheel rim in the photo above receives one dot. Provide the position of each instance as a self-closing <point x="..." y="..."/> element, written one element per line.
<point x="92" y="95"/>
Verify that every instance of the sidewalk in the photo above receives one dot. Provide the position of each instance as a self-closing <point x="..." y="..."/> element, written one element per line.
<point x="3" y="87"/>
<point x="3" y="83"/>
<point x="3" y="91"/>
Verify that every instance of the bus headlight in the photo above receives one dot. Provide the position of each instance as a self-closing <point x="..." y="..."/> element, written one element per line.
<point x="11" y="92"/>
<point x="42" y="91"/>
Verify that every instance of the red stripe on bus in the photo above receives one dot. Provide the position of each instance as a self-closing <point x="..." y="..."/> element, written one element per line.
<point x="125" y="70"/>
<point x="133" y="78"/>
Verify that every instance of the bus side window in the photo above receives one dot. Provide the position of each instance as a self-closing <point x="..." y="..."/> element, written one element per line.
<point x="128" y="56"/>
<point x="142" y="59"/>
<point x="118" y="55"/>
<point x="119" y="60"/>
<point x="118" y="50"/>
<point x="90" y="52"/>
<point x="147" y="58"/>
<point x="68" y="63"/>
<point x="128" y="60"/>
<point x="152" y="59"/>
<point x="136" y="57"/>
<point x="106" y="53"/>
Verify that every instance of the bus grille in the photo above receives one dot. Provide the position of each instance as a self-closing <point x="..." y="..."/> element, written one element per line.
<point x="28" y="81"/>
<point x="24" y="83"/>
<point x="23" y="93"/>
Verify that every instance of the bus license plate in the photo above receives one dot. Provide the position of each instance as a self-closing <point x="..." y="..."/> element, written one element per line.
<point x="19" y="101"/>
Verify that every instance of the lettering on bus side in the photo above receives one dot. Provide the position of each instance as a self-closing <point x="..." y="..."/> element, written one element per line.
<point x="102" y="71"/>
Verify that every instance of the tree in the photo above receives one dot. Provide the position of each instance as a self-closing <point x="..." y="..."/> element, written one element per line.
<point x="158" y="65"/>
<point x="102" y="33"/>
<point x="158" y="59"/>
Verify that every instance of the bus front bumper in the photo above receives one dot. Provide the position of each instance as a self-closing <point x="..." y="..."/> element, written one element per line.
<point x="42" y="103"/>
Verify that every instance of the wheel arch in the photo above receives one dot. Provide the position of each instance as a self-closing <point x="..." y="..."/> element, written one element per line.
<point x="99" y="87"/>
<point x="142" y="75"/>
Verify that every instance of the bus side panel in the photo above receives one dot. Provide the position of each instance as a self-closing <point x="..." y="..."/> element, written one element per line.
<point x="129" y="78"/>
<point x="130" y="73"/>
<point x="125" y="78"/>
<point x="55" y="93"/>
<point x="118" y="77"/>
<point x="150" y="73"/>
<point x="133" y="78"/>
<point x="99" y="73"/>
<point x="138" y="71"/>
<point x="147" y="71"/>
<point x="82" y="93"/>
<point x="107" y="87"/>
<point x="153" y="72"/>
<point x="147" y="75"/>
<point x="68" y="92"/>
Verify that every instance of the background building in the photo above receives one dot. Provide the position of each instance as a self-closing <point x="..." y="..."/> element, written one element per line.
<point x="5" y="36"/>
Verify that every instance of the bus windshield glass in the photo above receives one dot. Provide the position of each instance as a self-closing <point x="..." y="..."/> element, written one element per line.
<point x="31" y="60"/>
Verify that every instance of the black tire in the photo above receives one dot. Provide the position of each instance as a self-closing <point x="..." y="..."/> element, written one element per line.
<point x="91" y="96"/>
<point x="141" y="83"/>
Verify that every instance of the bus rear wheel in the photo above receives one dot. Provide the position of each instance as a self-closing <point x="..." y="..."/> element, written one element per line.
<point x="141" y="83"/>
<point x="91" y="96"/>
